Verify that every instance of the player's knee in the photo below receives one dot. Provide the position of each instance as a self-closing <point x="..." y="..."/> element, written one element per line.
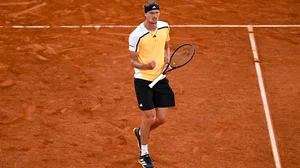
<point x="162" y="119"/>
<point x="149" y="119"/>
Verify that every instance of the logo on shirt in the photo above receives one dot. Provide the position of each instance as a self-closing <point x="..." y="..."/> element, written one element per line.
<point x="141" y="105"/>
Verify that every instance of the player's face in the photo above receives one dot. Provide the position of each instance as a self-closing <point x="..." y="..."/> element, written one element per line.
<point x="152" y="16"/>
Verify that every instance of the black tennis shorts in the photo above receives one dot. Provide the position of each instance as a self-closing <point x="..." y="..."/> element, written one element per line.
<point x="161" y="95"/>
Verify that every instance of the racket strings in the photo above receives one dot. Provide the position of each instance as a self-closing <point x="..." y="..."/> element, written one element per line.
<point x="182" y="56"/>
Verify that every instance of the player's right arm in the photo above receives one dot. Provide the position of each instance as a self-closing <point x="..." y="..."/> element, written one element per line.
<point x="137" y="64"/>
<point x="134" y="54"/>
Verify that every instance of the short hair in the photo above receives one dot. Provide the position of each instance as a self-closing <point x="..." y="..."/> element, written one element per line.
<point x="149" y="6"/>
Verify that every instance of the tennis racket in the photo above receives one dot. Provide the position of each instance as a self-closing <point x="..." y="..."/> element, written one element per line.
<point x="180" y="57"/>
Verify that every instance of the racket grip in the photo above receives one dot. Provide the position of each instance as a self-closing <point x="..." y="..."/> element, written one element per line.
<point x="156" y="80"/>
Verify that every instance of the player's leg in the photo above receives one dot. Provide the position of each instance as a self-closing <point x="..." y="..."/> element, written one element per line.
<point x="161" y="117"/>
<point x="148" y="119"/>
<point x="145" y="102"/>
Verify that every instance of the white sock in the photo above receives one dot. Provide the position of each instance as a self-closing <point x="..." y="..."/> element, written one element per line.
<point x="144" y="150"/>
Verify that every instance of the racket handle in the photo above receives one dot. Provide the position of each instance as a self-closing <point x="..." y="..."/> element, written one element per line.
<point x="156" y="80"/>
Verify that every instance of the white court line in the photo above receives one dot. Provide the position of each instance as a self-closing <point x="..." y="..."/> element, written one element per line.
<point x="264" y="97"/>
<point x="30" y="27"/>
<point x="133" y="26"/>
<point x="234" y="26"/>
<point x="68" y="27"/>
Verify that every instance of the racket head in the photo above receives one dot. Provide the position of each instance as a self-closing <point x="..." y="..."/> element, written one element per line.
<point x="182" y="55"/>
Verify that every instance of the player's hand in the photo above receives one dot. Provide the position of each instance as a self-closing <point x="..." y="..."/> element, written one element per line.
<point x="168" y="67"/>
<point x="151" y="65"/>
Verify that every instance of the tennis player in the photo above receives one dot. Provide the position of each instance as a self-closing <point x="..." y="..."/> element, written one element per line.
<point x="149" y="52"/>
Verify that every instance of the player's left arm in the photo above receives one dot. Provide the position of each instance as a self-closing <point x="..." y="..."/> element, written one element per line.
<point x="167" y="46"/>
<point x="167" y="52"/>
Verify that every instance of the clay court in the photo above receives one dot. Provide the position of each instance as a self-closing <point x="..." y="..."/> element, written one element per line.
<point x="66" y="85"/>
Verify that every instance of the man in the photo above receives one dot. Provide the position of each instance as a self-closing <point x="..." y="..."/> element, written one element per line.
<point x="149" y="52"/>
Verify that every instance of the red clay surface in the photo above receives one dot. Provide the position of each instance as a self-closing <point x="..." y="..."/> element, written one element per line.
<point x="67" y="97"/>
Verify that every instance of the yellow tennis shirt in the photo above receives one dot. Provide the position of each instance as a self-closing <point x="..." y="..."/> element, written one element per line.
<point x="150" y="46"/>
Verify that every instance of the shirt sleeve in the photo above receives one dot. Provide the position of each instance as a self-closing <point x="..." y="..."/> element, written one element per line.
<point x="133" y="42"/>
<point x="168" y="34"/>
